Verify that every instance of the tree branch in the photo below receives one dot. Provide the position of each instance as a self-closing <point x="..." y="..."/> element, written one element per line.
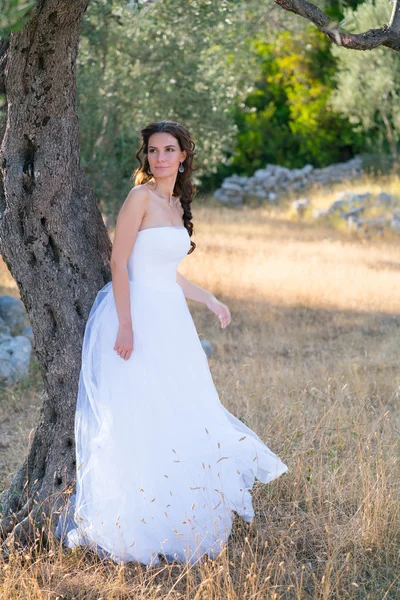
<point x="388" y="35"/>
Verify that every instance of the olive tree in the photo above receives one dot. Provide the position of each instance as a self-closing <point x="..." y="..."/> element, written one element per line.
<point x="52" y="239"/>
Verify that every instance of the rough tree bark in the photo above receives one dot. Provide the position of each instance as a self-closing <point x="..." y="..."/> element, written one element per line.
<point x="54" y="242"/>
<point x="388" y="35"/>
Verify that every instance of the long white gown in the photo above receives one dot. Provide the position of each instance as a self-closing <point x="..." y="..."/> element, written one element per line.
<point x="161" y="463"/>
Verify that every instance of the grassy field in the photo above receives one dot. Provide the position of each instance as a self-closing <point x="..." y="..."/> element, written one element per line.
<point x="310" y="362"/>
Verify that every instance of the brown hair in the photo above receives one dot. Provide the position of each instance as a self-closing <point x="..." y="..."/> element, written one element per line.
<point x="183" y="185"/>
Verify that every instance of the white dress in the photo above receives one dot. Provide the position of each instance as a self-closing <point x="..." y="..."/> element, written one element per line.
<point x="161" y="463"/>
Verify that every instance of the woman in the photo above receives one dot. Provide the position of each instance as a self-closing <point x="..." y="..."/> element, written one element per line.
<point x="161" y="463"/>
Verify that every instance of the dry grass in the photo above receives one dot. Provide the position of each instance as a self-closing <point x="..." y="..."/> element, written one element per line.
<point x="310" y="362"/>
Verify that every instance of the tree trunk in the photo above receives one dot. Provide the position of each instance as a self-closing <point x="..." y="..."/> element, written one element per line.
<point x="54" y="242"/>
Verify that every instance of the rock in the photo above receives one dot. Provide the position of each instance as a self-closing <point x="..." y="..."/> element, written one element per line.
<point x="15" y="354"/>
<point x="306" y="170"/>
<point x="395" y="221"/>
<point x="345" y="195"/>
<point x="261" y="173"/>
<point x="255" y="197"/>
<point x="240" y="179"/>
<point x="268" y="184"/>
<point x="354" y="212"/>
<point x="272" y="197"/>
<point x="27" y="332"/>
<point x="232" y="187"/>
<point x="376" y="225"/>
<point x="207" y="347"/>
<point x="13" y="313"/>
<point x="354" y="224"/>
<point x="336" y="206"/>
<point x="351" y="198"/>
<point x="384" y="199"/>
<point x="274" y="181"/>
<point x="226" y="197"/>
<point x="361" y="198"/>
<point x="231" y="192"/>
<point x="4" y="328"/>
<point x="4" y="443"/>
<point x="300" y="206"/>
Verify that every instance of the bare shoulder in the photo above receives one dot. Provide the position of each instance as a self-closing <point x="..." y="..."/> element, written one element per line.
<point x="138" y="196"/>
<point x="135" y="203"/>
<point x="132" y="212"/>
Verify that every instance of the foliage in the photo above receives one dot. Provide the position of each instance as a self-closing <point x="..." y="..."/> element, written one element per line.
<point x="285" y="118"/>
<point x="335" y="8"/>
<point x="170" y="60"/>
<point x="368" y="84"/>
<point x="14" y="15"/>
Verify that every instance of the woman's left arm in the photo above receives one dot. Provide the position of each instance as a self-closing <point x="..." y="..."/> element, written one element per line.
<point x="199" y="294"/>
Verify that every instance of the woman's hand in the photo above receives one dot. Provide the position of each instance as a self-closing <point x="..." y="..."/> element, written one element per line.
<point x="220" y="309"/>
<point x="124" y="342"/>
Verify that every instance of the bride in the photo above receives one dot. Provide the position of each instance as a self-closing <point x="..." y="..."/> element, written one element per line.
<point x="162" y="465"/>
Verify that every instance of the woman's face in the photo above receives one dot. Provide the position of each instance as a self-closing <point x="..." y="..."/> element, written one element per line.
<point x="164" y="154"/>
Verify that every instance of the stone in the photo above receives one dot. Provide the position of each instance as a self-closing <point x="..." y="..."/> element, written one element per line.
<point x="374" y="225"/>
<point x="354" y="223"/>
<point x="232" y="186"/>
<point x="395" y="222"/>
<point x="300" y="206"/>
<point x="255" y="197"/>
<point x="4" y="328"/>
<point x="15" y="354"/>
<point x="354" y="212"/>
<point x="207" y="347"/>
<point x="277" y="181"/>
<point x="384" y="199"/>
<point x="272" y="197"/>
<point x="336" y="206"/>
<point x="27" y="332"/>
<point x="13" y="313"/>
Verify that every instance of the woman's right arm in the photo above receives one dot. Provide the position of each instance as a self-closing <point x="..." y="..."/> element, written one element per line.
<point x="128" y="222"/>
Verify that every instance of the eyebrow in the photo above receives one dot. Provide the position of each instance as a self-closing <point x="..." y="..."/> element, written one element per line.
<point x="168" y="146"/>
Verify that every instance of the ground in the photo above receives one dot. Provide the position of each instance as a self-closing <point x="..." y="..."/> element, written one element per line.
<point x="310" y="362"/>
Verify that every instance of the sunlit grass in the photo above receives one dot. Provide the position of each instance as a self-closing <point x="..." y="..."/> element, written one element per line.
<point x="310" y="362"/>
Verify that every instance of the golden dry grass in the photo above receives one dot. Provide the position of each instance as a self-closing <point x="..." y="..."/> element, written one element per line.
<point x="310" y="362"/>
